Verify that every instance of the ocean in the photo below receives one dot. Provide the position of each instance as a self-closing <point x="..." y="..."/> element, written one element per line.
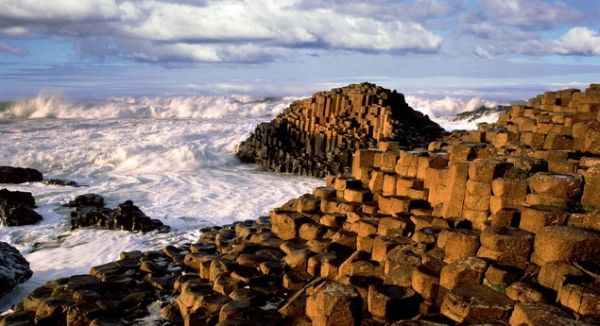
<point x="173" y="156"/>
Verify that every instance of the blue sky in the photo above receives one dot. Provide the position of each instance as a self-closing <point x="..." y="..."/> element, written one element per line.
<point x="505" y="49"/>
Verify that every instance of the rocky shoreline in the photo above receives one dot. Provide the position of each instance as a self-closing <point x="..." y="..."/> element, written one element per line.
<point x="495" y="226"/>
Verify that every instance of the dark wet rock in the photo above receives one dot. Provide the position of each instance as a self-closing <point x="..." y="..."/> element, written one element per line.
<point x="61" y="182"/>
<point x="87" y="200"/>
<point x="127" y="216"/>
<point x="9" y="174"/>
<point x="14" y="269"/>
<point x="16" y="208"/>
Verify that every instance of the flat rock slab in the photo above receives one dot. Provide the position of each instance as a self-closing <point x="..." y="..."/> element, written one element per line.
<point x="535" y="313"/>
<point x="565" y="243"/>
<point x="476" y="304"/>
<point x="334" y="304"/>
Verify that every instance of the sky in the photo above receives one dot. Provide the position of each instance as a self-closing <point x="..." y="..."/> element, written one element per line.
<point x="504" y="49"/>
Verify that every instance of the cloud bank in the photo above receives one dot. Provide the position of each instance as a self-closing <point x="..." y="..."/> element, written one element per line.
<point x="216" y="31"/>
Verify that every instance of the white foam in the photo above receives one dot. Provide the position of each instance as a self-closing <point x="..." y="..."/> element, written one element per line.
<point x="443" y="110"/>
<point x="161" y="107"/>
<point x="181" y="171"/>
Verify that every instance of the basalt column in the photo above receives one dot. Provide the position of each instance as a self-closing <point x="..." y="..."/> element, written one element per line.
<point x="318" y="135"/>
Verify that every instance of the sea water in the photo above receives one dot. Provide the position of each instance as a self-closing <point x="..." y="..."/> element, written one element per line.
<point x="173" y="156"/>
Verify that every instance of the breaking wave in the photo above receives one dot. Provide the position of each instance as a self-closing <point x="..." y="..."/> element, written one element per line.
<point x="159" y="107"/>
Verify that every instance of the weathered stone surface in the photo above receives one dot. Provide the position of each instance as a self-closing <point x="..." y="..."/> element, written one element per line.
<point x="565" y="243"/>
<point x="455" y="190"/>
<point x="286" y="224"/>
<point x="527" y="292"/>
<point x="426" y="281"/>
<point x="467" y="271"/>
<point x="505" y="244"/>
<point x="536" y="217"/>
<point x="540" y="314"/>
<point x="556" y="185"/>
<point x="460" y="244"/>
<point x="476" y="304"/>
<point x="334" y="304"/>
<point x="591" y="187"/>
<point x="16" y="208"/>
<point x="583" y="299"/>
<point x="553" y="274"/>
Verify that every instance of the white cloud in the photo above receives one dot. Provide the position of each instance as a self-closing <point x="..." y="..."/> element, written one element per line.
<point x="537" y="14"/>
<point x="483" y="53"/>
<point x="577" y="41"/>
<point x="388" y="10"/>
<point x="14" y="31"/>
<point x="219" y="31"/>
<point x="58" y="10"/>
<point x="12" y="50"/>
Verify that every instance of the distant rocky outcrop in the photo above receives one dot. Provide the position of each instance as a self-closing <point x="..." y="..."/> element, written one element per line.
<point x="90" y="211"/>
<point x="318" y="135"/>
<point x="9" y="174"/>
<point x="497" y="226"/>
<point x="14" y="269"/>
<point x="16" y="208"/>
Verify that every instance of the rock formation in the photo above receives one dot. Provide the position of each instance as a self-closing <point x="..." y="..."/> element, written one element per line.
<point x="90" y="211"/>
<point x="16" y="208"/>
<point x="9" y="174"/>
<point x="495" y="226"/>
<point x="318" y="135"/>
<point x="14" y="269"/>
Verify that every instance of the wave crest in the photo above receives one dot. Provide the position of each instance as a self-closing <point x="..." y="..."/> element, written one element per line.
<point x="447" y="106"/>
<point x="159" y="107"/>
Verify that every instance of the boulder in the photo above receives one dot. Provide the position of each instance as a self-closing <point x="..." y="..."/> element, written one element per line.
<point x="535" y="217"/>
<point x="9" y="174"/>
<point x="583" y="299"/>
<point x="505" y="244"/>
<point x="87" y="200"/>
<point x="556" y="185"/>
<point x="467" y="271"/>
<point x="334" y="304"/>
<point x="564" y="243"/>
<point x="14" y="269"/>
<point x="536" y="313"/>
<point x="60" y="182"/>
<point x="470" y="304"/>
<point x="16" y="208"/>
<point x="126" y="216"/>
<point x="460" y="243"/>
